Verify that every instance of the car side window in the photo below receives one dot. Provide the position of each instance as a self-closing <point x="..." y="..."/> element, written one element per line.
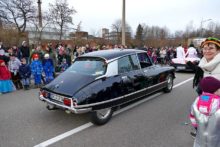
<point x="128" y="63"/>
<point x="134" y="62"/>
<point x="144" y="60"/>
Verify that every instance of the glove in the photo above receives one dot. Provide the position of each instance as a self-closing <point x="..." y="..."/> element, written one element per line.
<point x="198" y="76"/>
<point x="191" y="65"/>
<point x="198" y="73"/>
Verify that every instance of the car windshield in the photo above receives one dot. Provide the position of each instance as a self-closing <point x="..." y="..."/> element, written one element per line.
<point x="88" y="66"/>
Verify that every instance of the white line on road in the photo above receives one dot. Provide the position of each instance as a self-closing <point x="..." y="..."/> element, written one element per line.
<point x="64" y="135"/>
<point x="89" y="124"/>
<point x="177" y="85"/>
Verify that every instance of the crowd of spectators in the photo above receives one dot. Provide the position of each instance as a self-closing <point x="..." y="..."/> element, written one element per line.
<point x="41" y="63"/>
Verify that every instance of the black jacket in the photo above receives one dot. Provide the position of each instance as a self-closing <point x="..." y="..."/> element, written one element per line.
<point x="199" y="73"/>
<point x="25" y="51"/>
<point x="5" y="58"/>
<point x="24" y="71"/>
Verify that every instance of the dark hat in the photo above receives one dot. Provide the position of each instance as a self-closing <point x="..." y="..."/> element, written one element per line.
<point x="191" y="45"/>
<point x="209" y="84"/>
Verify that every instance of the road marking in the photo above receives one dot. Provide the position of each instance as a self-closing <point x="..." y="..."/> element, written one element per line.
<point x="177" y="85"/>
<point x="64" y="135"/>
<point x="89" y="124"/>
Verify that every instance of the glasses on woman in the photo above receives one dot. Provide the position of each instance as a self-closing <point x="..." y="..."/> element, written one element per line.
<point x="209" y="48"/>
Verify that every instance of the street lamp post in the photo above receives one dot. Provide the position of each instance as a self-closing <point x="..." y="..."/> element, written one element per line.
<point x="206" y="20"/>
<point x="123" y="23"/>
<point x="40" y="20"/>
<point x="39" y="13"/>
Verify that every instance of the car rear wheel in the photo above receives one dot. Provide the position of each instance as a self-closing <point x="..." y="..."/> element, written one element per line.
<point x="169" y="83"/>
<point x="102" y="116"/>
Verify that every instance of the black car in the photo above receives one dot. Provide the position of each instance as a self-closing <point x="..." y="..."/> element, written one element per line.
<point x="100" y="81"/>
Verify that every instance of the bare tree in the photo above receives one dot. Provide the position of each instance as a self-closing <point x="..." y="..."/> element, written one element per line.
<point x="1" y="24"/>
<point x="60" y="14"/>
<point x="163" y="33"/>
<point x="139" y="35"/>
<point x="117" y="28"/>
<point x="37" y="29"/>
<point x="17" y="12"/>
<point x="217" y="31"/>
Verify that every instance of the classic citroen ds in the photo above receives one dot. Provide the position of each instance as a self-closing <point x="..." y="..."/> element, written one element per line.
<point x="101" y="81"/>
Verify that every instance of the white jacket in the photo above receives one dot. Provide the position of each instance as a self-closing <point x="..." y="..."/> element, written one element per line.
<point x="191" y="53"/>
<point x="211" y="68"/>
<point x="180" y="52"/>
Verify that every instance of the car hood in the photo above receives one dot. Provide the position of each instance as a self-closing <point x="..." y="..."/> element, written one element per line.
<point x="69" y="83"/>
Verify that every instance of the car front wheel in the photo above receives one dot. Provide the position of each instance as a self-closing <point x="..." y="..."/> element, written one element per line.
<point x="169" y="86"/>
<point x="102" y="116"/>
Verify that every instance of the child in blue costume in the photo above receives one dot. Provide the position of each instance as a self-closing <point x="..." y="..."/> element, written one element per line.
<point x="36" y="70"/>
<point x="48" y="68"/>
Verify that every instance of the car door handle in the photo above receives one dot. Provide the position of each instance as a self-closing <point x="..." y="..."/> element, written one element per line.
<point x="124" y="77"/>
<point x="150" y="78"/>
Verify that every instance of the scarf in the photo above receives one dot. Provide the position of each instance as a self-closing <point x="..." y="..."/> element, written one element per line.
<point x="210" y="66"/>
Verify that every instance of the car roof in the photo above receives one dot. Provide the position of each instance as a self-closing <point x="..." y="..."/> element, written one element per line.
<point x="111" y="53"/>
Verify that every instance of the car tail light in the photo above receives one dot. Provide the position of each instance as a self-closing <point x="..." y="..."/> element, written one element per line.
<point x="67" y="101"/>
<point x="44" y="93"/>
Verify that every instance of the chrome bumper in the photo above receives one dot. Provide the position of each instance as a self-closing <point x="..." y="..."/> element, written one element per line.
<point x="71" y="109"/>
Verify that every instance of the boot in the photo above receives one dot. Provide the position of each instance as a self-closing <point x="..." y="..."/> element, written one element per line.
<point x="193" y="134"/>
<point x="25" y="87"/>
<point x="38" y="85"/>
<point x="20" y="85"/>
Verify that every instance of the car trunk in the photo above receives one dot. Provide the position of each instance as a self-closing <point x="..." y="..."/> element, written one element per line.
<point x="69" y="83"/>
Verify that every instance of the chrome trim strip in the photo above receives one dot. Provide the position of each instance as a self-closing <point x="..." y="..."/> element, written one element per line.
<point x="107" y="101"/>
<point x="72" y="109"/>
<point x="111" y="60"/>
<point x="88" y="107"/>
<point x="93" y="57"/>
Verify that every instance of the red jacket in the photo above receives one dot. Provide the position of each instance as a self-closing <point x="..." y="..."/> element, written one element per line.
<point x="4" y="73"/>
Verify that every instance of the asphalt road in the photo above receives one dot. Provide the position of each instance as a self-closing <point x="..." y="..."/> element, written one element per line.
<point x="159" y="122"/>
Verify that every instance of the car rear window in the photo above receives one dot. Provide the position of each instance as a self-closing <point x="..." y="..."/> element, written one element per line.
<point x="88" y="66"/>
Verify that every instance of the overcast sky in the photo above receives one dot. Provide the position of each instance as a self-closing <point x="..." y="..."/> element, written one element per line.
<point x="174" y="14"/>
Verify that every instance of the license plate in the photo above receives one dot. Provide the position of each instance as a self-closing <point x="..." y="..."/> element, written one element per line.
<point x="56" y="97"/>
<point x="181" y="67"/>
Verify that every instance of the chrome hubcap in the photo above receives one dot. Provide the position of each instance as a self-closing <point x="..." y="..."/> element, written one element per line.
<point x="103" y="113"/>
<point x="169" y="82"/>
